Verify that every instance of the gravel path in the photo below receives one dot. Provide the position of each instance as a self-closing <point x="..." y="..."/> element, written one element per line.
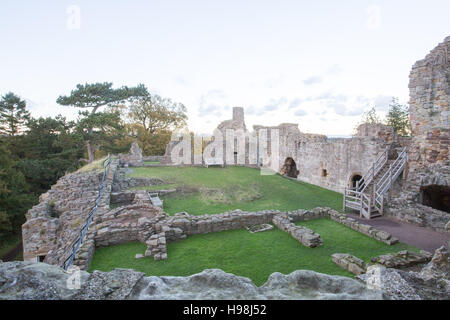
<point x="419" y="237"/>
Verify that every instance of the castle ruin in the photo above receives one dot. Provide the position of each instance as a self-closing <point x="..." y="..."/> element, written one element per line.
<point x="420" y="195"/>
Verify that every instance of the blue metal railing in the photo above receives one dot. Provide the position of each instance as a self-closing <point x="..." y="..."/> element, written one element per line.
<point x="77" y="243"/>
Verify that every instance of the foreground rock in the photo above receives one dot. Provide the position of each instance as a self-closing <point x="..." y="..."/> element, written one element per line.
<point x="431" y="282"/>
<point x="34" y="281"/>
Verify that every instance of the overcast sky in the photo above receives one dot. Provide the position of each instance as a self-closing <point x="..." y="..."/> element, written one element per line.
<point x="317" y="63"/>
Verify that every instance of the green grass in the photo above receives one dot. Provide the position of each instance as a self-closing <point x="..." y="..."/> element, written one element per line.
<point x="156" y="187"/>
<point x="151" y="162"/>
<point x="215" y="190"/>
<point x="240" y="252"/>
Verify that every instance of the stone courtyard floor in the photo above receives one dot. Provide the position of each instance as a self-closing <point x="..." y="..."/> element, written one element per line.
<point x="419" y="237"/>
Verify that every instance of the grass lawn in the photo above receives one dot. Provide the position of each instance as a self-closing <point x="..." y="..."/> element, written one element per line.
<point x="240" y="252"/>
<point x="215" y="190"/>
<point x="151" y="162"/>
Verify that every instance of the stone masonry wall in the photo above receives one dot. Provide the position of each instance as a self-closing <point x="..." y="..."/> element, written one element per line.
<point x="55" y="222"/>
<point x="428" y="150"/>
<point x="305" y="236"/>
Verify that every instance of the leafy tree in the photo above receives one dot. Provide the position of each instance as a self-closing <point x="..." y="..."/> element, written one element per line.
<point x="47" y="151"/>
<point x="153" y="119"/>
<point x="155" y="113"/>
<point x="371" y="117"/>
<point x="15" y="199"/>
<point x="398" y="117"/>
<point x="93" y="97"/>
<point x="13" y="114"/>
<point x="5" y="225"/>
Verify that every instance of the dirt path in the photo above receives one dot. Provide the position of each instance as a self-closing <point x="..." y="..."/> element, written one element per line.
<point x="12" y="253"/>
<point x="419" y="237"/>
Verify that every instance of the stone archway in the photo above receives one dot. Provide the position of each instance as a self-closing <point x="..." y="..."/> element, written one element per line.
<point x="354" y="179"/>
<point x="289" y="168"/>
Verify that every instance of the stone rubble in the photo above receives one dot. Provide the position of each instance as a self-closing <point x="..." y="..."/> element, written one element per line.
<point x="402" y="259"/>
<point x="156" y="247"/>
<point x="349" y="262"/>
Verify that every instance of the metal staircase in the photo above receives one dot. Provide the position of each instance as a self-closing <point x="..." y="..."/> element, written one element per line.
<point x="368" y="196"/>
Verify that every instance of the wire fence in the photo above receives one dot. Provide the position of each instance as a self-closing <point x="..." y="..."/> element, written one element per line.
<point x="77" y="243"/>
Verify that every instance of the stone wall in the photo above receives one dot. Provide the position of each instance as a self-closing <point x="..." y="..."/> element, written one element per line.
<point x="428" y="149"/>
<point x="133" y="158"/>
<point x="329" y="163"/>
<point x="54" y="223"/>
<point x="403" y="259"/>
<point x="305" y="236"/>
<point x="349" y="262"/>
<point x="370" y="231"/>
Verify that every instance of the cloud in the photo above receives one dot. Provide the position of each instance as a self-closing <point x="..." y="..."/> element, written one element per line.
<point x="181" y="81"/>
<point x="300" y="113"/>
<point x="334" y="69"/>
<point x="381" y="102"/>
<point x="312" y="80"/>
<point x="212" y="103"/>
<point x="295" y="103"/>
<point x="275" y="104"/>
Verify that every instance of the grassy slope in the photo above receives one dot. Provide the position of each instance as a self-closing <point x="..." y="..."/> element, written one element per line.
<point x="251" y="255"/>
<point x="237" y="188"/>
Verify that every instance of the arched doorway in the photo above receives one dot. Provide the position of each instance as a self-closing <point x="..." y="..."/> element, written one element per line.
<point x="289" y="168"/>
<point x="355" y="178"/>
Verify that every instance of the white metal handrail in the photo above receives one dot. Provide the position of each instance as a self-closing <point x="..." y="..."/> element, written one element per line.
<point x="377" y="165"/>
<point x="79" y="240"/>
<point x="386" y="181"/>
<point x="356" y="198"/>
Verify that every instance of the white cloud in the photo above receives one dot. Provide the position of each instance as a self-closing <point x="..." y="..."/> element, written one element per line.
<point x="312" y="80"/>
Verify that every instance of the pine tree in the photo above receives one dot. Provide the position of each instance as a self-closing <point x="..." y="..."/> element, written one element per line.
<point x="13" y="114"/>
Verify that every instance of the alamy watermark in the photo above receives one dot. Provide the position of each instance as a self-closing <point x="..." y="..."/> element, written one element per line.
<point x="229" y="146"/>
<point x="73" y="21"/>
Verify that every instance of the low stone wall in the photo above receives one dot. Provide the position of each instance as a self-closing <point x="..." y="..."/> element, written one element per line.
<point x="134" y="222"/>
<point x="362" y="228"/>
<point x="403" y="259"/>
<point x="156" y="247"/>
<point x="407" y="211"/>
<point x="305" y="236"/>
<point x="349" y="262"/>
<point x="236" y="219"/>
<point x="122" y="182"/>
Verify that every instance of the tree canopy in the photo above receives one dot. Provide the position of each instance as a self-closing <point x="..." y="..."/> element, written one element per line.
<point x="398" y="118"/>
<point x="13" y="114"/>
<point x="92" y="125"/>
<point x="98" y="94"/>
